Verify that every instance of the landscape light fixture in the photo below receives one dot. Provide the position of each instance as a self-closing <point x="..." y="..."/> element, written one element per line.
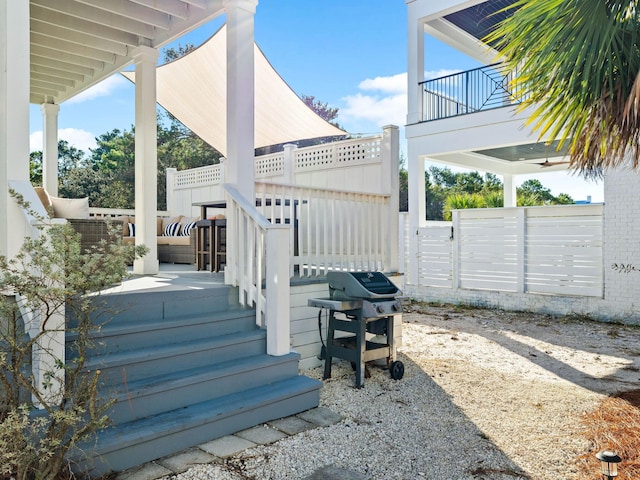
<point x="609" y="464"/>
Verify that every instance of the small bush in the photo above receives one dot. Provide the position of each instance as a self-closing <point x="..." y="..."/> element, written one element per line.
<point x="40" y="424"/>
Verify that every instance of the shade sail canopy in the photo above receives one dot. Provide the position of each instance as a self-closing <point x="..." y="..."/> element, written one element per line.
<point x="193" y="89"/>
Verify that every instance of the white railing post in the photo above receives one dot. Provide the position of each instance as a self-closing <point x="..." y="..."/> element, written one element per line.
<point x="277" y="290"/>
<point x="289" y="162"/>
<point x="171" y="182"/>
<point x="391" y="166"/>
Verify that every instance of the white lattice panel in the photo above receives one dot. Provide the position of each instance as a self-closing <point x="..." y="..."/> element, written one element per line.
<point x="269" y="165"/>
<point x="358" y="152"/>
<point x="197" y="177"/>
<point x="314" y="159"/>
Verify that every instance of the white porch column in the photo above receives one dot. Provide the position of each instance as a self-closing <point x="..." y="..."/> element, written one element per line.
<point x="50" y="147"/>
<point x="417" y="208"/>
<point x="391" y="167"/>
<point x="240" y="95"/>
<point x="146" y="169"/>
<point x="14" y="117"/>
<point x="415" y="64"/>
<point x="509" y="189"/>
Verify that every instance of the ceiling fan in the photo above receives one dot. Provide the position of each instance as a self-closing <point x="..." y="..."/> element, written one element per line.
<point x="547" y="163"/>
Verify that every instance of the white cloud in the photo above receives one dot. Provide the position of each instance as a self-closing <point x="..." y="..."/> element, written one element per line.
<point x="431" y="74"/>
<point x="381" y="101"/>
<point x="102" y="89"/>
<point x="80" y="139"/>
<point x="380" y="110"/>
<point x="394" y="84"/>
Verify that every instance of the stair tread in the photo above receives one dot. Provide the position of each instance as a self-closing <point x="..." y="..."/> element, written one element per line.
<point x="120" y="329"/>
<point x="148" y="386"/>
<point x="164" y="351"/>
<point x="156" y="426"/>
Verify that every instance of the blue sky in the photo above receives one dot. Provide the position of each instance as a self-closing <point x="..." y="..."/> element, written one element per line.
<point x="351" y="54"/>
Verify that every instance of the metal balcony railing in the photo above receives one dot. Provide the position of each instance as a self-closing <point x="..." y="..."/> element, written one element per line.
<point x="476" y="90"/>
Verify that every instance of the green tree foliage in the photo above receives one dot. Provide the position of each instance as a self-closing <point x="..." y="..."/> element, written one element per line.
<point x="322" y="109"/>
<point x="171" y="54"/>
<point x="447" y="190"/>
<point x="578" y="64"/>
<point x="48" y="273"/>
<point x="107" y="174"/>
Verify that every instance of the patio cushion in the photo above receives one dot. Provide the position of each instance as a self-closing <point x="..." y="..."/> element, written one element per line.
<point x="43" y="195"/>
<point x="70" y="207"/>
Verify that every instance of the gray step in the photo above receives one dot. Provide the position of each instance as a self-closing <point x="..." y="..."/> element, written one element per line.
<point x="170" y="392"/>
<point x="134" y="365"/>
<point x="122" y="337"/>
<point x="132" y="444"/>
<point x="138" y="307"/>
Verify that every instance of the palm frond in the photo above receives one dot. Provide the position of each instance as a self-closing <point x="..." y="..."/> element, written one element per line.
<point x="580" y="64"/>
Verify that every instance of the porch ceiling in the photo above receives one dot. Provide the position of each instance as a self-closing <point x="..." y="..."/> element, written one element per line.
<point x="78" y="43"/>
<point x="536" y="157"/>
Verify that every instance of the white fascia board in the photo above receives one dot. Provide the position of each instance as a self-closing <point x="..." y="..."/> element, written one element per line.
<point x="427" y="10"/>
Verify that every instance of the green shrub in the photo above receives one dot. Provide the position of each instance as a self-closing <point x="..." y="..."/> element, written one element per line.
<point x="48" y="273"/>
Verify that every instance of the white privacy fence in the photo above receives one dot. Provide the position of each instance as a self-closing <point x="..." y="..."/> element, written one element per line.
<point x="549" y="250"/>
<point x="332" y="229"/>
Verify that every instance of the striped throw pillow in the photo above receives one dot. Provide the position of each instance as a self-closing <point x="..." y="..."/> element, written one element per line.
<point x="171" y="230"/>
<point x="186" y="229"/>
<point x="132" y="229"/>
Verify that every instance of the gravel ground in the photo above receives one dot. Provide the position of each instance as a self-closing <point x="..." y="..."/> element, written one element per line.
<point x="486" y="395"/>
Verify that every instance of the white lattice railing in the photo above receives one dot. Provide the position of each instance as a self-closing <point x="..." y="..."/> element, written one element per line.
<point x="331" y="229"/>
<point x="254" y="246"/>
<point x="283" y="166"/>
<point x="549" y="250"/>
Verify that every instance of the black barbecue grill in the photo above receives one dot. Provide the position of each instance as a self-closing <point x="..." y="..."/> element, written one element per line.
<point x="361" y="303"/>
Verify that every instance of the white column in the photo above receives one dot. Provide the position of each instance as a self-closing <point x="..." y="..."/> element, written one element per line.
<point x="509" y="191"/>
<point x="240" y="95"/>
<point x="50" y="147"/>
<point x="14" y="117"/>
<point x="146" y="169"/>
<point x="417" y="207"/>
<point x="391" y="168"/>
<point x="415" y="65"/>
<point x="171" y="178"/>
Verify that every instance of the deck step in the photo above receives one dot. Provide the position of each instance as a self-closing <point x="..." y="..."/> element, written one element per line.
<point x="133" y="365"/>
<point x="153" y="437"/>
<point x="119" y="337"/>
<point x="181" y="389"/>
<point x="150" y="306"/>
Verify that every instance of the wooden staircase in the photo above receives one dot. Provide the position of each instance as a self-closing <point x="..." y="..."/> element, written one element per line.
<point x="185" y="367"/>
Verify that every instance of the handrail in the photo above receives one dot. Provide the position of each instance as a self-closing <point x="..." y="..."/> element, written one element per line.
<point x="478" y="89"/>
<point x="255" y="249"/>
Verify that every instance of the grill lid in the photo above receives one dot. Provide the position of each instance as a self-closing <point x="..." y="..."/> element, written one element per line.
<point x="361" y="285"/>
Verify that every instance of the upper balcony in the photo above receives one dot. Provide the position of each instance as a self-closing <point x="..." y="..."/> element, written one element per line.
<point x="471" y="91"/>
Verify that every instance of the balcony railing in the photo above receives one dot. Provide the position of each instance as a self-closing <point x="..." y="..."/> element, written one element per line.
<point x="471" y="91"/>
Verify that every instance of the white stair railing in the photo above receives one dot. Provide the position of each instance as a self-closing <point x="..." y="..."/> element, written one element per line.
<point x="332" y="229"/>
<point x="255" y="252"/>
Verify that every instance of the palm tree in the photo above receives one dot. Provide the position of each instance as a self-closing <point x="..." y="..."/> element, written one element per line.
<point x="579" y="62"/>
